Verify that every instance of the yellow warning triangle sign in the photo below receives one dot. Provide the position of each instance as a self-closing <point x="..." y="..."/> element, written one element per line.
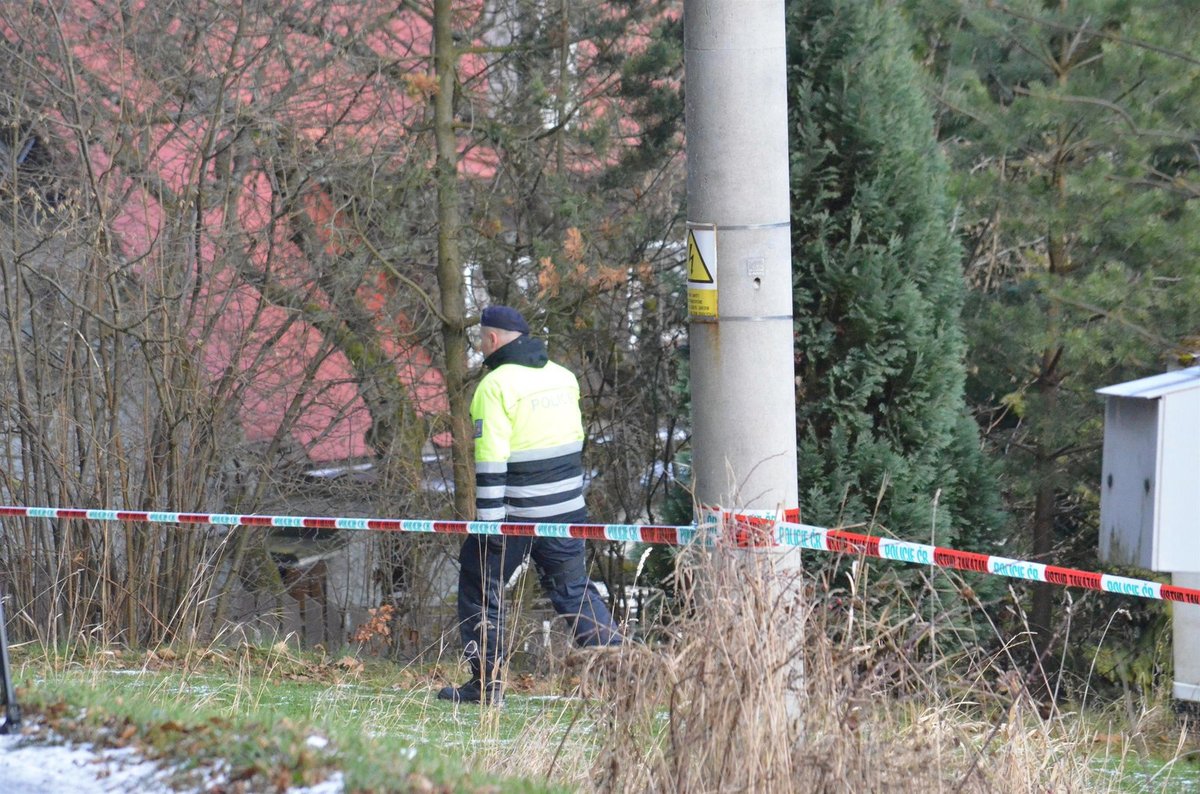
<point x="698" y="272"/>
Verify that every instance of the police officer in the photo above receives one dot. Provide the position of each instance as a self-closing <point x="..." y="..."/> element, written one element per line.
<point x="528" y="468"/>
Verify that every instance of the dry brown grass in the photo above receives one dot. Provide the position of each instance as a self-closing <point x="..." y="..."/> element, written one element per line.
<point x="757" y="691"/>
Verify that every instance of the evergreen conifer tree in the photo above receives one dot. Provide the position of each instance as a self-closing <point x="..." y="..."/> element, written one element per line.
<point x="883" y="432"/>
<point x="1071" y="128"/>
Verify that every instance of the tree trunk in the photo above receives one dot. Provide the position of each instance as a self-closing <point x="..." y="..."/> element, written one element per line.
<point x="1041" y="613"/>
<point x="449" y="265"/>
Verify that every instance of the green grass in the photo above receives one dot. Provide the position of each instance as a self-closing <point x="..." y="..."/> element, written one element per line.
<point x="1149" y="774"/>
<point x="281" y="718"/>
<point x="258" y="710"/>
<point x="1151" y="751"/>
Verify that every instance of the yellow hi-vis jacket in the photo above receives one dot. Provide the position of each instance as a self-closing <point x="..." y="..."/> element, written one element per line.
<point x="528" y="437"/>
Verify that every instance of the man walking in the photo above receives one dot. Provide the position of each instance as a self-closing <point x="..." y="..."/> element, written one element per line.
<point x="528" y="468"/>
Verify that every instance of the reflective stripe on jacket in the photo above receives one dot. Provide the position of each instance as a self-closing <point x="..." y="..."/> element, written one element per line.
<point x="528" y="438"/>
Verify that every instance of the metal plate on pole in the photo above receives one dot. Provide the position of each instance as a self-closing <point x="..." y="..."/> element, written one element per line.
<point x="702" y="271"/>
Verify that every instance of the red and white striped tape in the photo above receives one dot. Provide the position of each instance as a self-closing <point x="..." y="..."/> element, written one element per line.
<point x="738" y="530"/>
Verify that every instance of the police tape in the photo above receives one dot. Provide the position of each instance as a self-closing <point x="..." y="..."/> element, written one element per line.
<point x="722" y="528"/>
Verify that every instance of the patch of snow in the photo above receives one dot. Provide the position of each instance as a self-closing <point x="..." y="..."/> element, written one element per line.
<point x="554" y="698"/>
<point x="31" y="765"/>
<point x="333" y="785"/>
<point x="27" y="767"/>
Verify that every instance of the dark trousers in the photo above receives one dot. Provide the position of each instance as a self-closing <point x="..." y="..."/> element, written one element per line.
<point x="487" y="562"/>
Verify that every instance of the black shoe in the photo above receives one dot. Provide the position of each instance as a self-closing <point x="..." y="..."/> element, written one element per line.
<point x="472" y="692"/>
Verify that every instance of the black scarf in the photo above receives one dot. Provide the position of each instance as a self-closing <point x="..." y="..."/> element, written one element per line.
<point x="524" y="350"/>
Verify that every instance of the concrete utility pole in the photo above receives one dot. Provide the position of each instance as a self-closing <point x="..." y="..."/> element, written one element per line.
<point x="739" y="257"/>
